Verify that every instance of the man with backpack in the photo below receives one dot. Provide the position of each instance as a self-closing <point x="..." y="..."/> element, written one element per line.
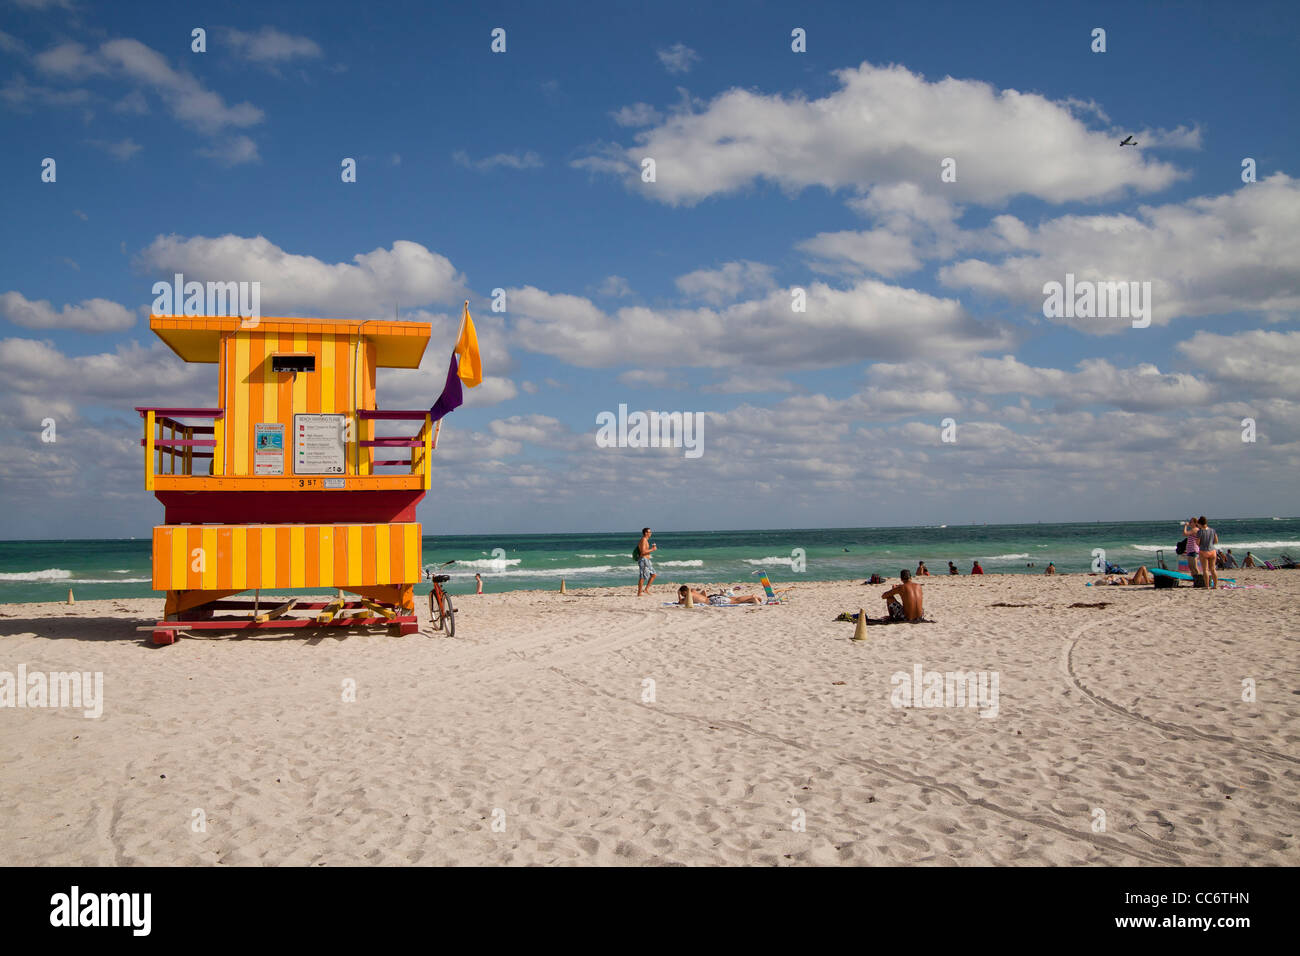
<point x="645" y="566"/>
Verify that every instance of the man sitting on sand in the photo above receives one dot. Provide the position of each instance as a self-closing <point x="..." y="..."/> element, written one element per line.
<point x="921" y="570"/>
<point x="1051" y="568"/>
<point x="1249" y="561"/>
<point x="952" y="568"/>
<point x="907" y="607"/>
<point x="976" y="569"/>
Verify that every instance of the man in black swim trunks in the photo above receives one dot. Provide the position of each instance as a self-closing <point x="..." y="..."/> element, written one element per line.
<point x="907" y="607"/>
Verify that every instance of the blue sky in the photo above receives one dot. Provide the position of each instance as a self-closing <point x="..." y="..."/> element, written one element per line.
<point x="776" y="169"/>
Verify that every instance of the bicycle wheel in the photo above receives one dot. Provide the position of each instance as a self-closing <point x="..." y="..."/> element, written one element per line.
<point x="435" y="609"/>
<point x="449" y="616"/>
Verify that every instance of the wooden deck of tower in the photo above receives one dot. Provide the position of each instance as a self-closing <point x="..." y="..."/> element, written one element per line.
<point x="284" y="483"/>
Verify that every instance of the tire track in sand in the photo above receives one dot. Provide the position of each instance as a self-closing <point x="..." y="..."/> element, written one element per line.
<point x="1179" y="730"/>
<point x="1162" y="854"/>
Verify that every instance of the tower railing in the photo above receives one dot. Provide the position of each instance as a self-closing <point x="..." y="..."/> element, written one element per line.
<point x="170" y="447"/>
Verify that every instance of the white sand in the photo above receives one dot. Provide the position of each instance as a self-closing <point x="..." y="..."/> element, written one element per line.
<point x="535" y="710"/>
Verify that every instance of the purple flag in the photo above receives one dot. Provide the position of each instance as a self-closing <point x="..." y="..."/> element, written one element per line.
<point x="451" y="396"/>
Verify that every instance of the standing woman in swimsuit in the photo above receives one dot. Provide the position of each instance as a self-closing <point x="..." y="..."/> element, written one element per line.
<point x="1208" y="541"/>
<point x="1190" y="529"/>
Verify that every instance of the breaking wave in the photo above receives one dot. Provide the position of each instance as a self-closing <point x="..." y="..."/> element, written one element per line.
<point x="49" y="574"/>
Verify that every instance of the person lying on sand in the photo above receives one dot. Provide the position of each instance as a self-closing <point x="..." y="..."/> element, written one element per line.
<point x="1140" y="576"/>
<point x="721" y="599"/>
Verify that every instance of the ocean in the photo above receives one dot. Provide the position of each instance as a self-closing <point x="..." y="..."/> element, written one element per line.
<point x="44" y="570"/>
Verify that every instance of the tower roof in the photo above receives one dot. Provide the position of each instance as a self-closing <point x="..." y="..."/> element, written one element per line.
<point x="198" y="338"/>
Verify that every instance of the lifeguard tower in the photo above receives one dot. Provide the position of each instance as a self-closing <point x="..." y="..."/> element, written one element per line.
<point x="284" y="483"/>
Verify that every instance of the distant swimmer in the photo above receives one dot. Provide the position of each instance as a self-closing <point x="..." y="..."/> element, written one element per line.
<point x="1128" y="141"/>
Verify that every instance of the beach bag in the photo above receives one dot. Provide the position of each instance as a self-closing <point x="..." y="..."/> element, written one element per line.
<point x="1182" y="547"/>
<point x="1163" y="581"/>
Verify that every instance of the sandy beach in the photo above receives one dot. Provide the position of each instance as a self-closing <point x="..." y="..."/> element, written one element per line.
<point x="598" y="728"/>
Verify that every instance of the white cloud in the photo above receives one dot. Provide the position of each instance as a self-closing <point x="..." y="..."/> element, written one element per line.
<point x="678" y="58"/>
<point x="1096" y="381"/>
<point x="122" y="150"/>
<point x="407" y="274"/>
<point x="879" y="251"/>
<point x="885" y="125"/>
<point x="132" y="374"/>
<point x="614" y="287"/>
<point x="1257" y="360"/>
<point x="727" y="283"/>
<point x="1209" y="255"/>
<point x="840" y="326"/>
<point x="70" y="60"/>
<point x="637" y="114"/>
<point x="742" y="383"/>
<point x="651" y="378"/>
<point x="21" y="95"/>
<point x="541" y="430"/>
<point x="270" y="47"/>
<point x="232" y="151"/>
<point x="11" y="44"/>
<point x="92" y="315"/>
<point x="516" y="160"/>
<point x="187" y="99"/>
<point x="133" y="103"/>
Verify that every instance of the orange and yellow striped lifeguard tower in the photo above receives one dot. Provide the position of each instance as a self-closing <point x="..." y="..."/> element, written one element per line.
<point x="284" y="484"/>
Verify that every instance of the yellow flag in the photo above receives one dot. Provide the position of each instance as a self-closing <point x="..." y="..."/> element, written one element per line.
<point x="471" y="368"/>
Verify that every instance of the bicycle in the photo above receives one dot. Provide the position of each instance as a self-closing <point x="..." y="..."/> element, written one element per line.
<point x="441" y="611"/>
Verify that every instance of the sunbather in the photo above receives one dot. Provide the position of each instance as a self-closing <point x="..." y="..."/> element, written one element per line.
<point x="1141" y="576"/>
<point x="721" y="599"/>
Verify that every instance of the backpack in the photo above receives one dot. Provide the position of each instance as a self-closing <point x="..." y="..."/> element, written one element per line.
<point x="1182" y="547"/>
<point x="636" y="552"/>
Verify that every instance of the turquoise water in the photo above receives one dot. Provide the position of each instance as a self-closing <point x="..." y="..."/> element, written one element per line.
<point x="44" y="570"/>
